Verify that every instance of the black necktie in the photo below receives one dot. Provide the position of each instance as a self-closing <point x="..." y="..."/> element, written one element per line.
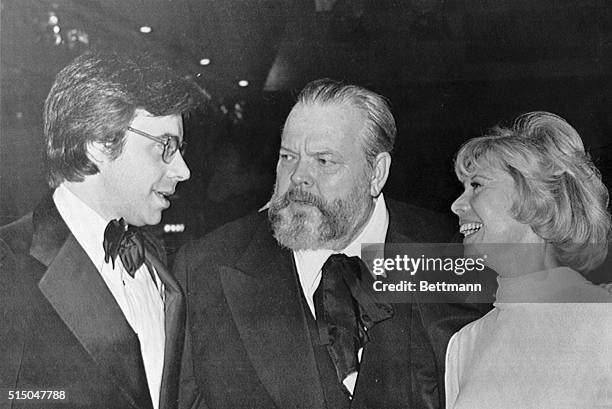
<point x="347" y="307"/>
<point x="125" y="242"/>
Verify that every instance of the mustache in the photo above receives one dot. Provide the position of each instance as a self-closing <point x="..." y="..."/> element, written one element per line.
<point x="297" y="196"/>
<point x="301" y="197"/>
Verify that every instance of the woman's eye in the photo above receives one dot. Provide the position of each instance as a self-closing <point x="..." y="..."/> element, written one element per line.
<point x="475" y="185"/>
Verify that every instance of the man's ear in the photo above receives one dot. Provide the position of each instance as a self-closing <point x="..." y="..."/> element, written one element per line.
<point x="97" y="152"/>
<point x="380" y="173"/>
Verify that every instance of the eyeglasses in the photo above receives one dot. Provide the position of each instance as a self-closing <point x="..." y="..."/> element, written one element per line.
<point x="170" y="142"/>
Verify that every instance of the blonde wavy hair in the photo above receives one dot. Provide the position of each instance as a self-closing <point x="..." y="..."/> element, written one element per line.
<point x="560" y="191"/>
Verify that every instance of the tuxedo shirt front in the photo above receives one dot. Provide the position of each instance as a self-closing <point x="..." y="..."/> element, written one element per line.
<point x="141" y="300"/>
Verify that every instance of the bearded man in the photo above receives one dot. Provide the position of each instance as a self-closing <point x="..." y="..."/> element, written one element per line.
<point x="258" y="288"/>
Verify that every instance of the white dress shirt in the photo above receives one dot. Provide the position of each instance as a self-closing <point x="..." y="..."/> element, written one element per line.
<point x="141" y="300"/>
<point x="310" y="262"/>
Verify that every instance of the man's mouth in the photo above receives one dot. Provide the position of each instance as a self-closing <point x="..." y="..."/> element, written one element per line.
<point x="299" y="196"/>
<point x="467" y="229"/>
<point x="301" y="202"/>
<point x="165" y="195"/>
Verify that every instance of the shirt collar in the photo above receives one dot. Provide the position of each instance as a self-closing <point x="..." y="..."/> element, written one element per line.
<point x="374" y="232"/>
<point x="86" y="224"/>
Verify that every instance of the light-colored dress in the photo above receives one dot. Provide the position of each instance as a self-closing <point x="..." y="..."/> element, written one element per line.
<point x="542" y="346"/>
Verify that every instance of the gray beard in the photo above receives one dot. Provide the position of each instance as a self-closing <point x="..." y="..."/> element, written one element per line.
<point x="303" y="221"/>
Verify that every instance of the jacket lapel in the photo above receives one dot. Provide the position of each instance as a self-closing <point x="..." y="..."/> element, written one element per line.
<point x="77" y="292"/>
<point x="377" y="379"/>
<point x="175" y="333"/>
<point x="261" y="290"/>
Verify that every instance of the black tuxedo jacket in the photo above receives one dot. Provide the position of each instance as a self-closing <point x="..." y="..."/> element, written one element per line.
<point x="251" y="342"/>
<point x="62" y="328"/>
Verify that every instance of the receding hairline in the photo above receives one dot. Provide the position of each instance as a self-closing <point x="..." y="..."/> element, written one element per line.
<point x="362" y="114"/>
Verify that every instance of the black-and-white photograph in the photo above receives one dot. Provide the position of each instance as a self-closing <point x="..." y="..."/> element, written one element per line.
<point x="314" y="204"/>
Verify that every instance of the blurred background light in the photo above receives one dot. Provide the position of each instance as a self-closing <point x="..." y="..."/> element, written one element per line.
<point x="174" y="228"/>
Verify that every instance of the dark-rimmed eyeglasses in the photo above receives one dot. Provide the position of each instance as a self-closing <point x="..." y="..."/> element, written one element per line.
<point x="170" y="143"/>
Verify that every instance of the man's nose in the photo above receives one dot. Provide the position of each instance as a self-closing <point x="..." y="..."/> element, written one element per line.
<point x="178" y="168"/>
<point x="302" y="175"/>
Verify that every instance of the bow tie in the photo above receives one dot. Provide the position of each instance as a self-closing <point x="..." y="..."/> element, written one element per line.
<point x="346" y="308"/>
<point x="125" y="242"/>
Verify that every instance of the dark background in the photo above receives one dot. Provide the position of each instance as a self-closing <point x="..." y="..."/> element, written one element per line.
<point x="451" y="68"/>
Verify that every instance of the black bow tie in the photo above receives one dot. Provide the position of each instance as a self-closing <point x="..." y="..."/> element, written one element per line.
<point x="347" y="307"/>
<point x="125" y="242"/>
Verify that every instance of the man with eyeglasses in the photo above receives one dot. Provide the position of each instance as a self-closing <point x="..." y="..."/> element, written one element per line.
<point x="91" y="317"/>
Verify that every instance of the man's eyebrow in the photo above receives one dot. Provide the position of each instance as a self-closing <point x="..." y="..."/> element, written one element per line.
<point x="326" y="151"/>
<point x="284" y="148"/>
